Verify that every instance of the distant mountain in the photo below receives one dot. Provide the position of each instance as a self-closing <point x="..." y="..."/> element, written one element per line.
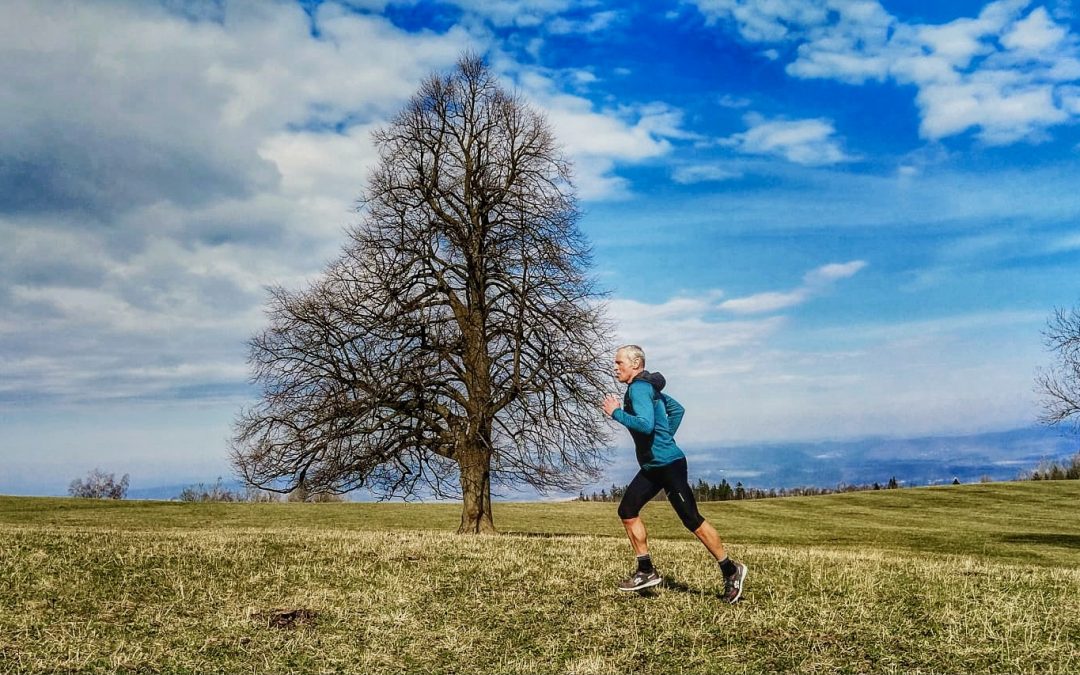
<point x="913" y="461"/>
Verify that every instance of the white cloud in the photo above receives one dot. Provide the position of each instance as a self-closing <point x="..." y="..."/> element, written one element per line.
<point x="700" y="324"/>
<point x="160" y="169"/>
<point x="599" y="140"/>
<point x="808" y="142"/>
<point x="685" y="333"/>
<point x="596" y="180"/>
<point x="769" y="301"/>
<point x="521" y="13"/>
<point x="961" y="40"/>
<point x="594" y="23"/>
<point x="827" y="274"/>
<point x="1006" y="73"/>
<point x="583" y="77"/>
<point x="157" y="107"/>
<point x="584" y="132"/>
<point x="814" y="283"/>
<point x="313" y="163"/>
<point x="1065" y="243"/>
<point x="166" y="169"/>
<point x="770" y="21"/>
<point x="641" y="313"/>
<point x="661" y="120"/>
<point x="1036" y="33"/>
<point x="729" y="101"/>
<point x="703" y="173"/>
<point x="1004" y="113"/>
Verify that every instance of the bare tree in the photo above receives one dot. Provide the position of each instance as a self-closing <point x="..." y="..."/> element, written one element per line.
<point x="1059" y="385"/>
<point x="459" y="340"/>
<point x="99" y="485"/>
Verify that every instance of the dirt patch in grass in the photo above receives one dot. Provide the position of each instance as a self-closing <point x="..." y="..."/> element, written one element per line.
<point x="285" y="618"/>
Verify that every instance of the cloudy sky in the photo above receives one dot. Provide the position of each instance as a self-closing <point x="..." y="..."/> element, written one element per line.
<point x="823" y="219"/>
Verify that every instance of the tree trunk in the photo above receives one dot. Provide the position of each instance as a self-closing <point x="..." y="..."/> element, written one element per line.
<point x="476" y="494"/>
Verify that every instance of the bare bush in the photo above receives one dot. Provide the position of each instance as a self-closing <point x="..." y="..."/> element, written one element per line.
<point x="218" y="492"/>
<point x="1048" y="470"/>
<point x="99" y="485"/>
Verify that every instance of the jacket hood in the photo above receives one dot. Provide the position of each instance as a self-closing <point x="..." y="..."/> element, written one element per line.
<point x="655" y="379"/>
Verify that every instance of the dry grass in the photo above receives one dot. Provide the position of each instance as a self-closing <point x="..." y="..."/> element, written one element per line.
<point x="101" y="599"/>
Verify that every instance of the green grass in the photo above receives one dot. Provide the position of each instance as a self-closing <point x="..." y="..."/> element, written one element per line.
<point x="979" y="578"/>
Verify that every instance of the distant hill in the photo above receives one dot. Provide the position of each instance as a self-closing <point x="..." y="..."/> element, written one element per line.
<point x="913" y="461"/>
<point x="930" y="460"/>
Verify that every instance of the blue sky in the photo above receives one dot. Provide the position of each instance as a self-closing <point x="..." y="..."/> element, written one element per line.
<point x="824" y="220"/>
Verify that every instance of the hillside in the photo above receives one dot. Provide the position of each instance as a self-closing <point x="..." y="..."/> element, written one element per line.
<point x="996" y="520"/>
<point x="906" y="580"/>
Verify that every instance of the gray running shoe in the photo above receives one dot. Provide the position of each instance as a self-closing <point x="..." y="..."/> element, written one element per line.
<point x="733" y="584"/>
<point x="639" y="581"/>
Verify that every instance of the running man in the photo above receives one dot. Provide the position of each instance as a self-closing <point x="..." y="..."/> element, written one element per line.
<point x="652" y="419"/>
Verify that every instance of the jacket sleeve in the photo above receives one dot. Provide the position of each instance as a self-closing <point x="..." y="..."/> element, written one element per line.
<point x="674" y="413"/>
<point x="644" y="419"/>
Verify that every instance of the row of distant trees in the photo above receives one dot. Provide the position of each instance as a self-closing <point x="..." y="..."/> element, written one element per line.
<point x="724" y="491"/>
<point x="101" y="485"/>
<point x="219" y="492"/>
<point x="1055" y="471"/>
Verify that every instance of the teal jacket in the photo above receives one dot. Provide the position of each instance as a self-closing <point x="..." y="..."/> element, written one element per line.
<point x="652" y="418"/>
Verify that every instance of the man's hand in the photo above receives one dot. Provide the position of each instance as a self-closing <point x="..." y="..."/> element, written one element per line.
<point x="611" y="404"/>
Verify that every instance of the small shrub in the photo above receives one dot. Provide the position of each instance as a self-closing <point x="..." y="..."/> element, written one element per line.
<point x="200" y="492"/>
<point x="99" y="485"/>
<point x="302" y="494"/>
<point x="255" y="495"/>
<point x="217" y="492"/>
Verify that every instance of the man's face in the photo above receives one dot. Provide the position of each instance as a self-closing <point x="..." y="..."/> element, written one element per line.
<point x="625" y="368"/>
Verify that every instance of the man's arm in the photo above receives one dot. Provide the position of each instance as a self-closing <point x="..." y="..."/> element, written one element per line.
<point x="644" y="419"/>
<point x="674" y="413"/>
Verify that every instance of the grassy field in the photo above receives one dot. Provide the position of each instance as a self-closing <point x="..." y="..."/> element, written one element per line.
<point x="978" y="578"/>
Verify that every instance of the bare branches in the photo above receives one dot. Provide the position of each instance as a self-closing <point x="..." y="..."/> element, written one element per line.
<point x="459" y="330"/>
<point x="1059" y="385"/>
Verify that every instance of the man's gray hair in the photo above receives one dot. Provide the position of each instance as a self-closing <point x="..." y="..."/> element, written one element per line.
<point x="634" y="352"/>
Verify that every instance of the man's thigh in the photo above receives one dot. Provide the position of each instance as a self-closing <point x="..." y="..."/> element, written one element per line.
<point x="638" y="493"/>
<point x="677" y="486"/>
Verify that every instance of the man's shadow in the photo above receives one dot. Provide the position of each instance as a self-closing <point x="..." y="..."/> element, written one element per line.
<point x="671" y="583"/>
